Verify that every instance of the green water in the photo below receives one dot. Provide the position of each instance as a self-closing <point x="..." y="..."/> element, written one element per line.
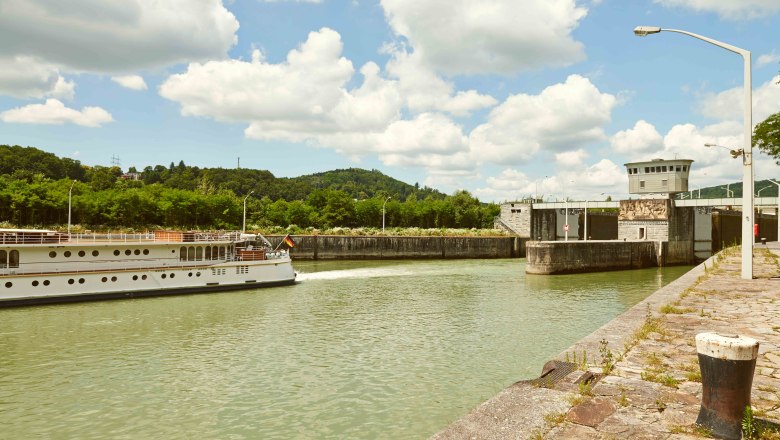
<point x="354" y="350"/>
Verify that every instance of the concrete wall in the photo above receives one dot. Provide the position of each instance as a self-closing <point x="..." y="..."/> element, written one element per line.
<point x="548" y="258"/>
<point x="681" y="236"/>
<point x="335" y="247"/>
<point x="543" y="224"/>
<point x="518" y="217"/>
<point x="601" y="225"/>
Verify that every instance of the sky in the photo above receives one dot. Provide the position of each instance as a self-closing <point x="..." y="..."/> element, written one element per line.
<point x="503" y="98"/>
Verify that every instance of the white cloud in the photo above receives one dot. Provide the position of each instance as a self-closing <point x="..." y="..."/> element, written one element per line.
<point x="424" y="91"/>
<point x="116" y="35"/>
<point x="132" y="82"/>
<point x="640" y="139"/>
<point x="728" y="105"/>
<point x="501" y="36"/>
<point x="728" y="9"/>
<point x="562" y="117"/>
<point x="27" y="77"/>
<point x="54" y="112"/>
<point x="767" y="58"/>
<point x="574" y="158"/>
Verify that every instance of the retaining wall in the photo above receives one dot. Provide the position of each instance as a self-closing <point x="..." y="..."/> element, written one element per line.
<point x="338" y="247"/>
<point x="559" y="257"/>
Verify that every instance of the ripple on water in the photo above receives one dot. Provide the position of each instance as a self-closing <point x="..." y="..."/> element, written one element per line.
<point x="355" y="350"/>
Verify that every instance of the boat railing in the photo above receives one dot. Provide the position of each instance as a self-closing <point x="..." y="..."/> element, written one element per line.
<point x="53" y="237"/>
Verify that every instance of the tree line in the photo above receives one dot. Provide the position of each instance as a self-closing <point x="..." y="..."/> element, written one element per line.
<point x="35" y="187"/>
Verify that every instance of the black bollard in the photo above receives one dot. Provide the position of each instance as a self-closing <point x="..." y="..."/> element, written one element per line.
<point x="727" y="364"/>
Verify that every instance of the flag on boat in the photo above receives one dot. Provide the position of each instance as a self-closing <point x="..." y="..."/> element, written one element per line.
<point x="288" y="241"/>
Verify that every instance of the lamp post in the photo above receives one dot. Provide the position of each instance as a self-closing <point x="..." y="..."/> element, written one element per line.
<point x="729" y="193"/>
<point x="70" y="196"/>
<point x="243" y="227"/>
<point x="383" y="213"/>
<point x="699" y="188"/>
<point x="758" y="194"/>
<point x="747" y="154"/>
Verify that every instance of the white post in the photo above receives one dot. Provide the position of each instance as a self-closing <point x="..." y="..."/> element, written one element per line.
<point x="747" y="155"/>
<point x="566" y="223"/>
<point x="70" y="196"/>
<point x="243" y="227"/>
<point x="383" y="214"/>
<point x="586" y="220"/>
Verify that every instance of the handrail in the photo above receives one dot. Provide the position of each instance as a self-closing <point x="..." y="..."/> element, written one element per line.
<point x="51" y="237"/>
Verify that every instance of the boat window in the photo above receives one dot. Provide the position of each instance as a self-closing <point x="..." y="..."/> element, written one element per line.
<point x="116" y="252"/>
<point x="146" y="251"/>
<point x="135" y="277"/>
<point x="13" y="259"/>
<point x="35" y="283"/>
<point x="128" y="252"/>
<point x="104" y="279"/>
<point x="9" y="284"/>
<point x="3" y="259"/>
<point x="71" y="281"/>
<point x="82" y="253"/>
<point x="183" y="254"/>
<point x="113" y="279"/>
<point x="208" y="252"/>
<point x="190" y="253"/>
<point x="95" y="253"/>
<point x="81" y="280"/>
<point x="143" y="277"/>
<point x="67" y="254"/>
<point x="199" y="253"/>
<point x="52" y="254"/>
<point x="46" y="282"/>
<point x="137" y="252"/>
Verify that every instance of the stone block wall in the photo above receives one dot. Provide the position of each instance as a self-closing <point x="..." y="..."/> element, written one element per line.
<point x="518" y="217"/>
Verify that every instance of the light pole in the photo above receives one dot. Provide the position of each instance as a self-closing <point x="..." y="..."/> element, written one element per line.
<point x="699" y="187"/>
<point x="70" y="196"/>
<point x="243" y="227"/>
<point x="729" y="193"/>
<point x="747" y="154"/>
<point x="758" y="194"/>
<point x="383" y="213"/>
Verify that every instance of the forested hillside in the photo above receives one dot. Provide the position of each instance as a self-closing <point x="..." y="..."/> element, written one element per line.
<point x="34" y="188"/>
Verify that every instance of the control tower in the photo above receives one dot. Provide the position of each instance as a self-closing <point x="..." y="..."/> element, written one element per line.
<point x="659" y="177"/>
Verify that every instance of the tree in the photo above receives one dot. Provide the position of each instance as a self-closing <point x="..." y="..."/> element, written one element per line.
<point x="766" y="136"/>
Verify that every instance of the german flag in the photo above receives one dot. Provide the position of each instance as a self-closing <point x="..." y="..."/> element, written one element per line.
<point x="288" y="241"/>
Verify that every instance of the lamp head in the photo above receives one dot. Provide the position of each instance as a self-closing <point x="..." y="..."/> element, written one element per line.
<point x="710" y="145"/>
<point x="642" y="31"/>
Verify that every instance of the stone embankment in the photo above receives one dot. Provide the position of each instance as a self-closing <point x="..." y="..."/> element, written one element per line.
<point x="637" y="377"/>
<point x="340" y="247"/>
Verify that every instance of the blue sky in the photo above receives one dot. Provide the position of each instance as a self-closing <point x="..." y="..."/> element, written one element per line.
<point x="504" y="98"/>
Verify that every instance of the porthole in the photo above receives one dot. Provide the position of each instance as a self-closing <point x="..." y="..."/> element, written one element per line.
<point x="67" y="254"/>
<point x="104" y="279"/>
<point x="71" y="281"/>
<point x="164" y="276"/>
<point x="116" y="252"/>
<point x="128" y="251"/>
<point x="137" y="252"/>
<point x="135" y="277"/>
<point x="95" y="253"/>
<point x="143" y="277"/>
<point x="113" y="279"/>
<point x="52" y="254"/>
<point x="82" y="253"/>
<point x="189" y="274"/>
<point x="81" y="280"/>
<point x="35" y="283"/>
<point x="197" y="274"/>
<point x="146" y="251"/>
<point x="173" y="251"/>
<point x="173" y="275"/>
<point x="9" y="284"/>
<point x="46" y="282"/>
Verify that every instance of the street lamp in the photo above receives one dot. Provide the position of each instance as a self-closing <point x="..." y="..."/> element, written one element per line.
<point x="699" y="188"/>
<point x="383" y="213"/>
<point x="243" y="227"/>
<point x="70" y="196"/>
<point x="747" y="153"/>
<point x="729" y="192"/>
<point x="758" y="194"/>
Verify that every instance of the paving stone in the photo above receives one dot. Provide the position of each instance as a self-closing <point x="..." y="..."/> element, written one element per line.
<point x="591" y="412"/>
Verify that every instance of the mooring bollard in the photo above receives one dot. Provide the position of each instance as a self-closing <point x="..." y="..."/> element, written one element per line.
<point x="727" y="364"/>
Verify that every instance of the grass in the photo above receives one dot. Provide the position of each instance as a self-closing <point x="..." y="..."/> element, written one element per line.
<point x="673" y="309"/>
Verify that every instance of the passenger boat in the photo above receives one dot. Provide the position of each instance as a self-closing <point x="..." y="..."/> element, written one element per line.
<point x="42" y="266"/>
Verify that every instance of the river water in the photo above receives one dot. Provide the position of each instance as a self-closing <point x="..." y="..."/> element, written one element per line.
<point x="368" y="350"/>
